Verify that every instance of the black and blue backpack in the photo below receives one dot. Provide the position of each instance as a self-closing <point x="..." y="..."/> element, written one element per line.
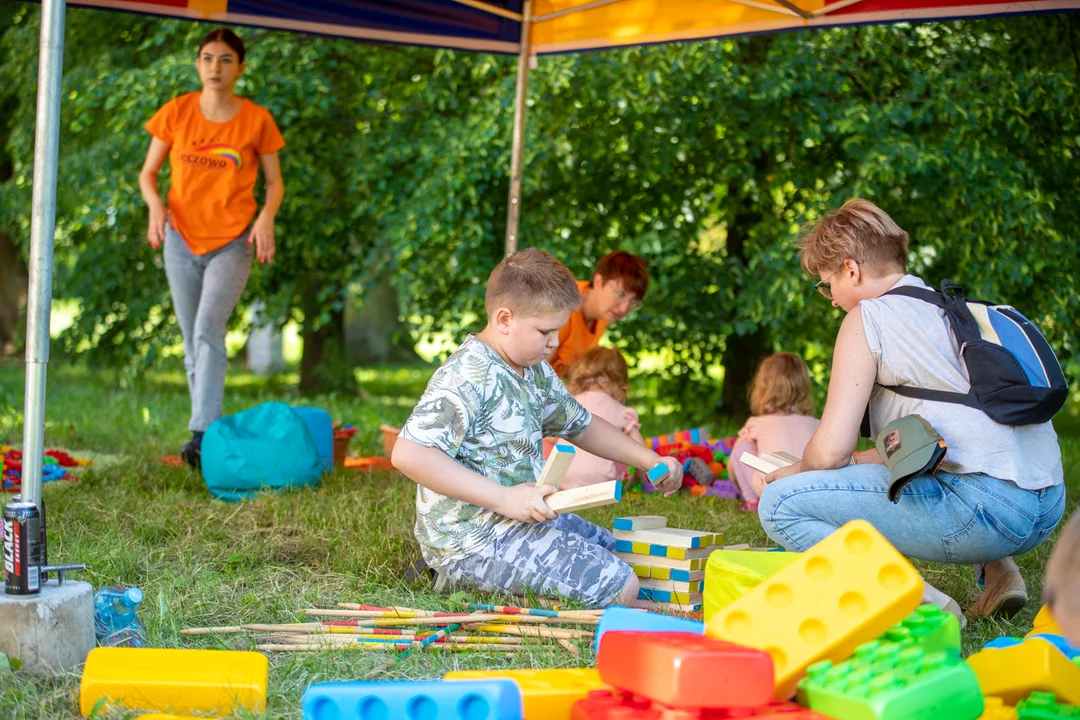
<point x="1015" y="377"/>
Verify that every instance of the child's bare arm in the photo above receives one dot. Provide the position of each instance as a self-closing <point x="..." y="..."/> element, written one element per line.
<point x="604" y="439"/>
<point x="437" y="471"/>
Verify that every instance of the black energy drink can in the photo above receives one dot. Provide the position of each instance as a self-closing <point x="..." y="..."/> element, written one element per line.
<point x="40" y="550"/>
<point x="22" y="534"/>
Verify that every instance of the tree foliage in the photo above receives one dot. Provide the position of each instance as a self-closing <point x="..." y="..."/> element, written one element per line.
<point x="706" y="157"/>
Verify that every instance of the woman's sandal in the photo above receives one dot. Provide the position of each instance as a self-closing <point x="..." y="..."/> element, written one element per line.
<point x="1004" y="598"/>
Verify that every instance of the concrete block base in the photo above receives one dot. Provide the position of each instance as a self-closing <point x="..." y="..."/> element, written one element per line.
<point x="51" y="631"/>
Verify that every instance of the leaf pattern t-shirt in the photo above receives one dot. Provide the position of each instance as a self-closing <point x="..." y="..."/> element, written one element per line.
<point x="480" y="412"/>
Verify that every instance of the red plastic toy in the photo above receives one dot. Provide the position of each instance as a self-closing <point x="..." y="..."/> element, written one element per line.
<point x="686" y="670"/>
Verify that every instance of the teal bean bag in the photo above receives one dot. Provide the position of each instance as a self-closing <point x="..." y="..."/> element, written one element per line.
<point x="266" y="448"/>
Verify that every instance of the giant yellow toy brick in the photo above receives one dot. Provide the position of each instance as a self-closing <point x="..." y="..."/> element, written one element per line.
<point x="995" y="709"/>
<point x="174" y="681"/>
<point x="1045" y="624"/>
<point x="547" y="694"/>
<point x="1012" y="673"/>
<point x="845" y="591"/>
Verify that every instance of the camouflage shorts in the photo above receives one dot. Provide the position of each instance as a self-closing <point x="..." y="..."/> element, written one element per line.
<point x="567" y="557"/>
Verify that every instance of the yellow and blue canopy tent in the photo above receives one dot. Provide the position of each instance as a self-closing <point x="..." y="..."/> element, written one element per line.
<point x="525" y="28"/>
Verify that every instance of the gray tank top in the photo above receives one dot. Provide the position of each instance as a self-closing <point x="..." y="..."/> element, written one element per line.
<point x="913" y="345"/>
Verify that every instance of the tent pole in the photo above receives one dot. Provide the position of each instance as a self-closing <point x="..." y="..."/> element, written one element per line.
<point x="517" y="152"/>
<point x="42" y="228"/>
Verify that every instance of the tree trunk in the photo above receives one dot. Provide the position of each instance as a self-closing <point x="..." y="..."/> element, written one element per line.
<point x="743" y="353"/>
<point x="374" y="332"/>
<point x="13" y="284"/>
<point x="323" y="366"/>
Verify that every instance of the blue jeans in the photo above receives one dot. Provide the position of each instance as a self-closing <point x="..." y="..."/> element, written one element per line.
<point x="971" y="518"/>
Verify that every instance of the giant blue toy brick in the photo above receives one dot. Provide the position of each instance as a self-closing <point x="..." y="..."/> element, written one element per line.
<point x="408" y="700"/>
<point x="622" y="618"/>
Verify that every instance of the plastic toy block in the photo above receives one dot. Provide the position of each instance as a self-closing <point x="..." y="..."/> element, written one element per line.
<point x="847" y="590"/>
<point x="1044" y="706"/>
<point x="1044" y="623"/>
<point x="1013" y="673"/>
<point x="557" y="464"/>
<point x="494" y="699"/>
<point x="670" y="668"/>
<point x="668" y="596"/>
<point x="886" y="681"/>
<point x="631" y="558"/>
<point x="669" y="537"/>
<point x="674" y="585"/>
<point x="185" y="681"/>
<point x="641" y="522"/>
<point x="1057" y="641"/>
<point x="615" y="705"/>
<point x="547" y="694"/>
<point x="930" y="628"/>
<point x="995" y="709"/>
<point x="622" y="618"/>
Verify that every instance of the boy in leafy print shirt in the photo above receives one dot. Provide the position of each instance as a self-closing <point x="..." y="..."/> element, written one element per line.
<point x="473" y="446"/>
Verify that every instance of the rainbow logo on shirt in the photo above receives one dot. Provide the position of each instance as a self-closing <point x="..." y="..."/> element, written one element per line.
<point x="223" y="151"/>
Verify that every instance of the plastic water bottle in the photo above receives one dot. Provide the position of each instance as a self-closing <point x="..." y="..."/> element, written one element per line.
<point x="115" y="623"/>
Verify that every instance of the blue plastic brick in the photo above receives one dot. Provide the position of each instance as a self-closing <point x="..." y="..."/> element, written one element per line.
<point x="695" y="436"/>
<point x="408" y="700"/>
<point x="622" y="618"/>
<point x="1057" y="641"/>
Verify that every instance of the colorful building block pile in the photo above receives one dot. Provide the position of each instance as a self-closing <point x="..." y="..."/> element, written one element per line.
<point x="55" y="467"/>
<point x="704" y="462"/>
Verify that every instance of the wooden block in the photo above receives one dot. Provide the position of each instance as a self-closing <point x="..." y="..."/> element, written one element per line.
<point x="677" y="553"/>
<point x="787" y="458"/>
<point x="641" y="522"/>
<point x="760" y="464"/>
<point x="650" y="561"/>
<point x="672" y="585"/>
<point x="667" y="596"/>
<point x="583" y="498"/>
<point x="557" y="464"/>
<point x="672" y="537"/>
<point x="666" y="607"/>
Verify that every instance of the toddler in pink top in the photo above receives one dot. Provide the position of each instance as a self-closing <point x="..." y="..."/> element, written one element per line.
<point x="599" y="380"/>
<point x="783" y="419"/>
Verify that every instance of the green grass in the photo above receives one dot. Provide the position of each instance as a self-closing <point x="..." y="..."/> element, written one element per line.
<point x="202" y="563"/>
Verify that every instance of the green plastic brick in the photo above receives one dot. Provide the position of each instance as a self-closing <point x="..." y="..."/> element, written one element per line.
<point x="930" y="628"/>
<point x="1044" y="706"/>
<point x="891" y="681"/>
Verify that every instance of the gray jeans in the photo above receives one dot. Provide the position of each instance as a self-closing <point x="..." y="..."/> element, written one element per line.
<point x="566" y="557"/>
<point x="205" y="290"/>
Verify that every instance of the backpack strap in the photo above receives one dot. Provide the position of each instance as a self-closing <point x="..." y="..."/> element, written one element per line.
<point x="951" y="297"/>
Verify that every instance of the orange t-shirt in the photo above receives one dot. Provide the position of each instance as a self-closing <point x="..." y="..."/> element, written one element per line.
<point x="214" y="168"/>
<point x="575" y="338"/>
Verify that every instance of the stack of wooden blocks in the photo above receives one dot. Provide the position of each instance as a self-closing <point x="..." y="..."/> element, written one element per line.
<point x="669" y="562"/>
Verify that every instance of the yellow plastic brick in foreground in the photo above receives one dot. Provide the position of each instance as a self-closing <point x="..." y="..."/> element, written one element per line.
<point x="846" y="590"/>
<point x="995" y="709"/>
<point x="174" y="681"/>
<point x="548" y="694"/>
<point x="1045" y="624"/>
<point x="1012" y="673"/>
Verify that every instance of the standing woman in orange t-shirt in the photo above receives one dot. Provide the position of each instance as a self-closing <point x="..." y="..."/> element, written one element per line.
<point x="215" y="142"/>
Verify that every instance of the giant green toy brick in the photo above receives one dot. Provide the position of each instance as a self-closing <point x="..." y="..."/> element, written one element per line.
<point x="1044" y="706"/>
<point x="929" y="627"/>
<point x="892" y="681"/>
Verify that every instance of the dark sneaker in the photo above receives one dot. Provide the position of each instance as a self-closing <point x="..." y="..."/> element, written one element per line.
<point x="419" y="570"/>
<point x="192" y="454"/>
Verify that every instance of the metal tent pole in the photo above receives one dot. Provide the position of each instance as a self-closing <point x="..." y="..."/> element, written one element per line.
<point x="42" y="228"/>
<point x="518" y="150"/>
